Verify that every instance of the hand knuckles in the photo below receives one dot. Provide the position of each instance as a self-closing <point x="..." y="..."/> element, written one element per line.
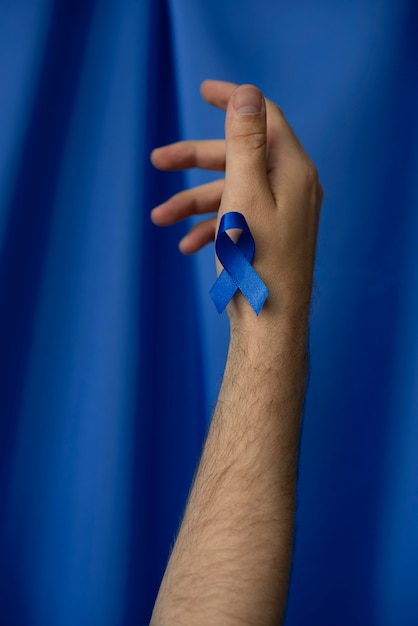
<point x="253" y="140"/>
<point x="277" y="112"/>
<point x="308" y="173"/>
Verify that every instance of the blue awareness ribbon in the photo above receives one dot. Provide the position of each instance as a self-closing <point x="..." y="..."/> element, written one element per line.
<point x="236" y="258"/>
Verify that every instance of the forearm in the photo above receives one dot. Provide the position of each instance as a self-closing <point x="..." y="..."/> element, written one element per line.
<point x="231" y="561"/>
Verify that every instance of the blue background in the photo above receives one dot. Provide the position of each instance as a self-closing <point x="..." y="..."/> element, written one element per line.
<point x="111" y="352"/>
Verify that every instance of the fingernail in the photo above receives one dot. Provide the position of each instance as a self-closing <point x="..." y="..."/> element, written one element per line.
<point x="247" y="100"/>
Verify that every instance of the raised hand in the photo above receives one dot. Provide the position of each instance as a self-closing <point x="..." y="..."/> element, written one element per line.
<point x="268" y="177"/>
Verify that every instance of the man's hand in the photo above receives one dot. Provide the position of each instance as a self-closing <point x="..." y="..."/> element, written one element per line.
<point x="231" y="561"/>
<point x="270" y="179"/>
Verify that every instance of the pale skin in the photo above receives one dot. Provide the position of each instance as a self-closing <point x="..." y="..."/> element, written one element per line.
<point x="231" y="560"/>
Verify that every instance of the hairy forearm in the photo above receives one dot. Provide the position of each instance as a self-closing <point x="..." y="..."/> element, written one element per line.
<point x="230" y="564"/>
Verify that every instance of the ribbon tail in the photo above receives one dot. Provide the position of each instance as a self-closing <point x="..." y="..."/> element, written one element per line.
<point x="222" y="291"/>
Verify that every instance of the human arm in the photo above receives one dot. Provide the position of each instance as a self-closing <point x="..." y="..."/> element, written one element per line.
<point x="231" y="560"/>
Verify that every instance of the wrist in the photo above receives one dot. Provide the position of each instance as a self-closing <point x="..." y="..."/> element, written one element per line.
<point x="270" y="333"/>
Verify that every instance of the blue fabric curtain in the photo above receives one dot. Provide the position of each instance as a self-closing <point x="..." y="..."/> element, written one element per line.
<point x="111" y="352"/>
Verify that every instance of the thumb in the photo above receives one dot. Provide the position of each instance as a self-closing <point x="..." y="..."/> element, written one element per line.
<point x="245" y="133"/>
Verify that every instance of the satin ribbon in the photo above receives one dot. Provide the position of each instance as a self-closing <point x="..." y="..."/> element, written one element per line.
<point x="236" y="258"/>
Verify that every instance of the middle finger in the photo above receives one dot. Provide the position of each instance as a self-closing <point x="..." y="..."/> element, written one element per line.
<point x="205" y="154"/>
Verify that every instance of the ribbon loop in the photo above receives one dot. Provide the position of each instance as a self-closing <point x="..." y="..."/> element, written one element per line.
<point x="236" y="258"/>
